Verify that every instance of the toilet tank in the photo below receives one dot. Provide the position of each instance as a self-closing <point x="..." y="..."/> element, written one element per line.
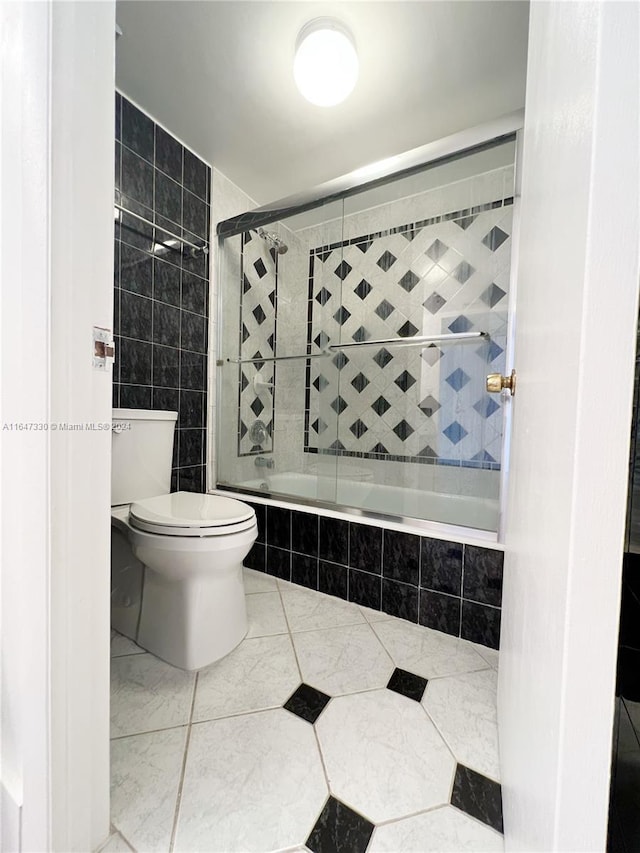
<point x="142" y="448"/>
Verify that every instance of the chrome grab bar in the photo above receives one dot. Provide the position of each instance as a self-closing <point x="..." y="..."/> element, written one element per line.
<point x="416" y="341"/>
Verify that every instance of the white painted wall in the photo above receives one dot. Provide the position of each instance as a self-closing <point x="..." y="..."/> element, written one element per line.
<point x="57" y="270"/>
<point x="575" y="343"/>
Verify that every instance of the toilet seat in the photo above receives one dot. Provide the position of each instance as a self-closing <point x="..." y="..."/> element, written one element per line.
<point x="191" y="514"/>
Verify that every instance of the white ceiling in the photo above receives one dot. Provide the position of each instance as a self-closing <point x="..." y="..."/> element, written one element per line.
<point x="218" y="75"/>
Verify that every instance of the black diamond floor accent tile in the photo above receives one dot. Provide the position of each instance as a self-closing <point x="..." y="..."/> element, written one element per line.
<point x="386" y="261"/>
<point x="260" y="268"/>
<point x="339" y="830"/>
<point x="343" y="270"/>
<point x="495" y="238"/>
<point x="407" y="684"/>
<point x="382" y="357"/>
<point x="307" y="702"/>
<point x="363" y="289"/>
<point x="477" y="796"/>
<point x="409" y="281"/>
<point x="384" y="309"/>
<point x="407" y="330"/>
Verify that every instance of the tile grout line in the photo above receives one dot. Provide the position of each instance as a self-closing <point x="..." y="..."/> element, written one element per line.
<point x="176" y="815"/>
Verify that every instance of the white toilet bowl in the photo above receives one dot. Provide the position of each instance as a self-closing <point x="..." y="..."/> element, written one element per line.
<point x="191" y="546"/>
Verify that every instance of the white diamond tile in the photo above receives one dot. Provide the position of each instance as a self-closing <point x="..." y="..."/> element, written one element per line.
<point x="265" y="614"/>
<point x="308" y="610"/>
<point x="444" y="830"/>
<point x="148" y="694"/>
<point x="260" y="673"/>
<point x="258" y="582"/>
<point x="384" y="758"/>
<point x="145" y="777"/>
<point x="252" y="783"/>
<point x="343" y="660"/>
<point x="425" y="652"/>
<point x="463" y="707"/>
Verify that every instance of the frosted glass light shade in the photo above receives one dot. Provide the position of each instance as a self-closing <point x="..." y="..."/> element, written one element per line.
<point x="325" y="67"/>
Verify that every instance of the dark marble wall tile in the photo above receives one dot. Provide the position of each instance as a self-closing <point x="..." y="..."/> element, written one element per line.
<point x="440" y="612"/>
<point x="304" y="570"/>
<point x="334" y="540"/>
<point x="304" y="533"/>
<point x="135" y="396"/>
<point x="400" y="599"/>
<point x="365" y="547"/>
<point x="279" y="527"/>
<point x="137" y="130"/>
<point x="481" y="624"/>
<point x="339" y="829"/>
<point x="483" y="575"/>
<point x="401" y="557"/>
<point x="441" y="566"/>
<point x="279" y="563"/>
<point x="333" y="579"/>
<point x="168" y="154"/>
<point x="261" y="518"/>
<point x="257" y="557"/>
<point x="159" y="300"/>
<point x="365" y="589"/>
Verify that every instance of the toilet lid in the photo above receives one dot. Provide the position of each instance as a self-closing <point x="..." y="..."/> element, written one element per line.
<point x="191" y="514"/>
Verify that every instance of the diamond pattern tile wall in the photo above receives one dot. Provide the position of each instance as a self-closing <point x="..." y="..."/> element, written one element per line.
<point x="447" y="274"/>
<point x="258" y="340"/>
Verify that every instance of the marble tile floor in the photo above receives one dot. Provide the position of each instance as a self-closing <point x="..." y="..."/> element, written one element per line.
<point x="331" y="729"/>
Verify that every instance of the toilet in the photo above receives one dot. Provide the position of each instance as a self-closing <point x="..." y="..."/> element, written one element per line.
<point x="176" y="560"/>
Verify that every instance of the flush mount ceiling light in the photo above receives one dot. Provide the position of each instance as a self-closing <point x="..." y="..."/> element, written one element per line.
<point x="325" y="67"/>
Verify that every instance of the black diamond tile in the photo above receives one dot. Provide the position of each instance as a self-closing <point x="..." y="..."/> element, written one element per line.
<point x="363" y="289"/>
<point x="434" y="303"/>
<point x="339" y="829"/>
<point x="492" y="295"/>
<point x="429" y="406"/>
<point x="386" y="261"/>
<point x="384" y="310"/>
<point x="342" y="315"/>
<point x="245" y="334"/>
<point x="343" y="270"/>
<point x="463" y="272"/>
<point x="465" y="221"/>
<point x="380" y="406"/>
<point x="323" y="296"/>
<point x="321" y="340"/>
<point x="358" y="428"/>
<point x="246" y="284"/>
<point x="320" y="383"/>
<point x="460" y="324"/>
<point x="495" y="238"/>
<point x="259" y="314"/>
<point x="428" y="452"/>
<point x="360" y="334"/>
<point x="243" y="382"/>
<point x="436" y="250"/>
<point x="319" y="426"/>
<point x="272" y="298"/>
<point x="407" y="684"/>
<point x="478" y="796"/>
<point x="379" y="448"/>
<point x="407" y="330"/>
<point x="307" y="702"/>
<point x="363" y="244"/>
<point x="338" y="405"/>
<point x="403" y="430"/>
<point x="405" y="380"/>
<point x="340" y="360"/>
<point x="323" y="255"/>
<point x="431" y="354"/>
<point x="409" y="281"/>
<point x="382" y="358"/>
<point x="260" y="268"/>
<point x="258" y="364"/>
<point x="360" y="382"/>
<point x="336" y="445"/>
<point x="257" y="407"/>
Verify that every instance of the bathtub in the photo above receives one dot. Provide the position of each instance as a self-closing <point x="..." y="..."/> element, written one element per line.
<point x="361" y="494"/>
